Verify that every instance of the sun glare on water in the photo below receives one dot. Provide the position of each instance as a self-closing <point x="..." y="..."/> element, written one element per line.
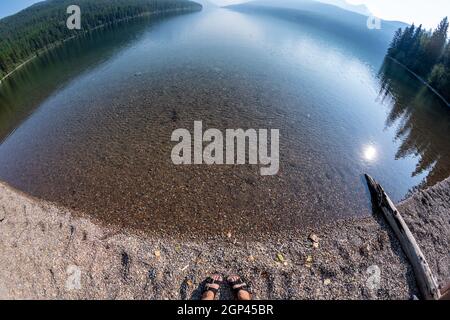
<point x="370" y="153"/>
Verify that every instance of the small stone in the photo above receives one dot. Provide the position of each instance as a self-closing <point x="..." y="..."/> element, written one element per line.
<point x="190" y="283"/>
<point x="315" y="245"/>
<point x="157" y="253"/>
<point x="383" y="240"/>
<point x="251" y="258"/>
<point x="159" y="277"/>
<point x="327" y="282"/>
<point x="198" y="260"/>
<point x="365" y="250"/>
<point x="184" y="268"/>
<point x="229" y="234"/>
<point x="314" y="238"/>
<point x="3" y="215"/>
<point x="309" y="261"/>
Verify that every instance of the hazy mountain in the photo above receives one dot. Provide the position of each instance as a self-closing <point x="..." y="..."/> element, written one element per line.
<point x="361" y="9"/>
<point x="344" y="24"/>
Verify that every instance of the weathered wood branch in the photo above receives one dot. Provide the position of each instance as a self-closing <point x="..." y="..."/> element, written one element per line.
<point x="428" y="286"/>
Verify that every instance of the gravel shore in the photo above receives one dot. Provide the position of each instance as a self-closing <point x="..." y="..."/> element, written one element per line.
<point x="44" y="248"/>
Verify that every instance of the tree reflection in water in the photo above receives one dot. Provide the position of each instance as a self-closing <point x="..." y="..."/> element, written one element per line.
<point x="421" y="119"/>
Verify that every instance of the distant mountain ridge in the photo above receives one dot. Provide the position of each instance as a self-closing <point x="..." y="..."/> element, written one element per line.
<point x="302" y="4"/>
<point x="361" y="8"/>
<point x="339" y="8"/>
<point x="344" y="24"/>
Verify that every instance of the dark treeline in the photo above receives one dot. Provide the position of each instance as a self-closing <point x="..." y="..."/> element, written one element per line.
<point x="427" y="53"/>
<point x="44" y="24"/>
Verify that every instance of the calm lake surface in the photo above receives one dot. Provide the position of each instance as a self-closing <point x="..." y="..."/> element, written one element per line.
<point x="88" y="125"/>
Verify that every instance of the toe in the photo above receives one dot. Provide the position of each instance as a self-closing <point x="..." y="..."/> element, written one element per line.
<point x="233" y="278"/>
<point x="216" y="277"/>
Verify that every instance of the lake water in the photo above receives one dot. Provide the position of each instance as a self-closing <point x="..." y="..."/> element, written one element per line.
<point x="88" y="125"/>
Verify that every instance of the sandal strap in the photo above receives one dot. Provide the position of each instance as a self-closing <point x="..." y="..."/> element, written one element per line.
<point x="209" y="282"/>
<point x="243" y="285"/>
<point x="212" y="281"/>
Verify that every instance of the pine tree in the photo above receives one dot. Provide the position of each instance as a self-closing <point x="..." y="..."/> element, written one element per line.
<point x="440" y="76"/>
<point x="414" y="49"/>
<point x="404" y="44"/>
<point x="394" y="46"/>
<point x="445" y="60"/>
<point x="426" y="53"/>
<point x="435" y="46"/>
<point x="42" y="26"/>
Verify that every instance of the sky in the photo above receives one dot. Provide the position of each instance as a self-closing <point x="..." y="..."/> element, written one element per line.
<point x="427" y="12"/>
<point x="9" y="7"/>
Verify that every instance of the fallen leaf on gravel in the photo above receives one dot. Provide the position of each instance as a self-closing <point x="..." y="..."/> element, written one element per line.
<point x="190" y="283"/>
<point x="280" y="257"/>
<point x="251" y="258"/>
<point x="157" y="253"/>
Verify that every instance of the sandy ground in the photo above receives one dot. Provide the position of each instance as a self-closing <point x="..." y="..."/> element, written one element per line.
<point x="47" y="253"/>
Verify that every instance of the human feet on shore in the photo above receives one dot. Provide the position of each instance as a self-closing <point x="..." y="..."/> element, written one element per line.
<point x="212" y="287"/>
<point x="242" y="290"/>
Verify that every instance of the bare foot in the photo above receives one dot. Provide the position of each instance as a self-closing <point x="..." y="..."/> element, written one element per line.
<point x="212" y="286"/>
<point x="240" y="288"/>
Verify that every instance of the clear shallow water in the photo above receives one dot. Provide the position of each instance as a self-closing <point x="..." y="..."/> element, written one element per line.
<point x="88" y="125"/>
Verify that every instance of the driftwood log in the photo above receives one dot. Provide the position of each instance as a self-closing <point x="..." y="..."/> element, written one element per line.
<point x="428" y="286"/>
